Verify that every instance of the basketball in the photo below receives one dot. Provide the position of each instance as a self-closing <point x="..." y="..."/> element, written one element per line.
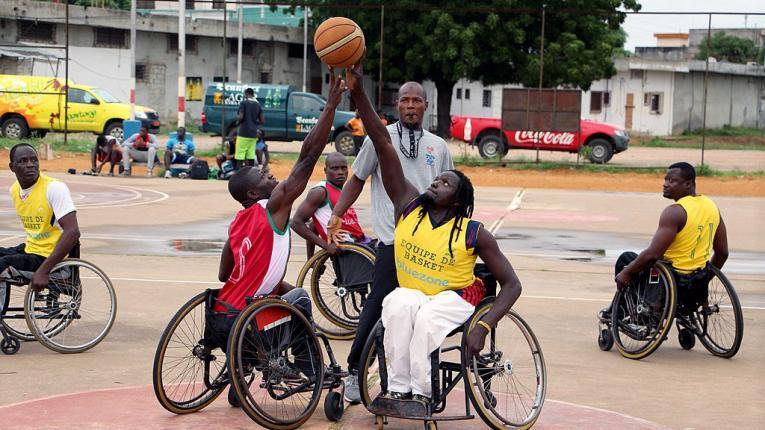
<point x="339" y="42"/>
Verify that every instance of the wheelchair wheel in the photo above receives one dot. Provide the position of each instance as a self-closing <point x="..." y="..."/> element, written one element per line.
<point x="187" y="375"/>
<point x="13" y="313"/>
<point x="720" y="321"/>
<point x="76" y="311"/>
<point x="642" y="313"/>
<point x="372" y="379"/>
<point x="339" y="302"/>
<point x="507" y="383"/>
<point x="277" y="368"/>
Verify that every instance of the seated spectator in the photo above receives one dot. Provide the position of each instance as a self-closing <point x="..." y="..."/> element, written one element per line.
<point x="142" y="148"/>
<point x="226" y="162"/>
<point x="179" y="150"/>
<point x="358" y="132"/>
<point x="107" y="149"/>
<point x="261" y="151"/>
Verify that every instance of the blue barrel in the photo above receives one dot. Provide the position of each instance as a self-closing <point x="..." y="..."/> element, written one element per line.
<point x="130" y="127"/>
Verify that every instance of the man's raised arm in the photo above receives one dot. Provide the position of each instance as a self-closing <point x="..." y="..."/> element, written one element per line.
<point x="280" y="202"/>
<point x="399" y="190"/>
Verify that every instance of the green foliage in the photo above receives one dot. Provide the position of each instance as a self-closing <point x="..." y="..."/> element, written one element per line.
<point x="729" y="48"/>
<point x="494" y="41"/>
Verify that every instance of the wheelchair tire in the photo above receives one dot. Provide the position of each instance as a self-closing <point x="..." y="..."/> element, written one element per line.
<point x="334" y="406"/>
<point x="605" y="340"/>
<point x="637" y="329"/>
<point x="10" y="345"/>
<point x="13" y="315"/>
<point x="340" y="310"/>
<point x="724" y="309"/>
<point x="515" y="358"/>
<point x="266" y="377"/>
<point x="179" y="370"/>
<point x="80" y="299"/>
<point x="370" y="380"/>
<point x="686" y="338"/>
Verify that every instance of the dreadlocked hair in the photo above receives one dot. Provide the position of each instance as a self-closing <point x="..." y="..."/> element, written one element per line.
<point x="465" y="202"/>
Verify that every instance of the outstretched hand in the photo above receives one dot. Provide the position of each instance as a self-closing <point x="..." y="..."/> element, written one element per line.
<point x="355" y="75"/>
<point x="336" y="88"/>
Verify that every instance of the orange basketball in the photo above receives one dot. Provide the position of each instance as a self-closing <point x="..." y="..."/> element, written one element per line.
<point x="339" y="42"/>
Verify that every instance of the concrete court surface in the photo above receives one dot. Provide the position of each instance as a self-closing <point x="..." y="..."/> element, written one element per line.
<point x="159" y="241"/>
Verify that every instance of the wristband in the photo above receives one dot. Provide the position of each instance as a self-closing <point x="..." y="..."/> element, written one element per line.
<point x="484" y="325"/>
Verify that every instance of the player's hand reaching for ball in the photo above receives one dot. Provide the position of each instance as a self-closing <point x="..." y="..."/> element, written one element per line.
<point x="355" y="76"/>
<point x="336" y="88"/>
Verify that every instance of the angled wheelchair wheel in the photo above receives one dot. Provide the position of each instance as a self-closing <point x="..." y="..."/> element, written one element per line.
<point x="720" y="322"/>
<point x="187" y="374"/>
<point x="277" y="367"/>
<point x="339" y="287"/>
<point x="76" y="311"/>
<point x="13" y="313"/>
<point x="642" y="313"/>
<point x="507" y="382"/>
<point x="373" y="378"/>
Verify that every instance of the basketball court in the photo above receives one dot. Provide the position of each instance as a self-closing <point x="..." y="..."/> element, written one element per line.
<point x="159" y="241"/>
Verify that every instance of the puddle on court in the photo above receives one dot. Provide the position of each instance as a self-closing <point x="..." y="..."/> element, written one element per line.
<point x="196" y="246"/>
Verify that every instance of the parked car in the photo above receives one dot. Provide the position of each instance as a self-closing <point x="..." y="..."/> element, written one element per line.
<point x="600" y="140"/>
<point x="289" y="114"/>
<point x="36" y="104"/>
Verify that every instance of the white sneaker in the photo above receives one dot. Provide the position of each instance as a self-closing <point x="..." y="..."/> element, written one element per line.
<point x="149" y="175"/>
<point x="168" y="175"/>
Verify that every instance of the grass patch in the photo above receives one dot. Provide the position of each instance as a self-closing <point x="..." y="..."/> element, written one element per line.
<point x="727" y="131"/>
<point x="657" y="142"/>
<point x="56" y="142"/>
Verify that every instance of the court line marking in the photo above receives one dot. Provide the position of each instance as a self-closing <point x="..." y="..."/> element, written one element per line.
<point x="136" y="191"/>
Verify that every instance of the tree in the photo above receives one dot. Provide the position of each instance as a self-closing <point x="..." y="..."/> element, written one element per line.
<point x="729" y="48"/>
<point x="493" y="41"/>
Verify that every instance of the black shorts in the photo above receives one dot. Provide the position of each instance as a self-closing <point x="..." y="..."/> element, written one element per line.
<point x="17" y="258"/>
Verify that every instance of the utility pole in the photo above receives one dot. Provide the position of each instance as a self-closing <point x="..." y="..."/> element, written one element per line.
<point x="181" y="63"/>
<point x="132" y="59"/>
<point x="706" y="87"/>
<point x="239" y="48"/>
<point x="305" y="44"/>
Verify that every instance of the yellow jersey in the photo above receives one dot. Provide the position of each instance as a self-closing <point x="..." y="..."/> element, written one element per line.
<point x="692" y="247"/>
<point x="423" y="261"/>
<point x="37" y="216"/>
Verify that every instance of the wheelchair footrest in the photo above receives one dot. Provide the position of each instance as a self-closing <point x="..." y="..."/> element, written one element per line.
<point x="409" y="409"/>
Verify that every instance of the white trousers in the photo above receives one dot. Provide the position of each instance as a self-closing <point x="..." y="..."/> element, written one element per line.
<point x="416" y="325"/>
<point x="139" y="156"/>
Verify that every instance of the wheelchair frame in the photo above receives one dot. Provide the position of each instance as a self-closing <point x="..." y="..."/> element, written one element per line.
<point x="446" y="375"/>
<point x="690" y="318"/>
<point x="330" y="378"/>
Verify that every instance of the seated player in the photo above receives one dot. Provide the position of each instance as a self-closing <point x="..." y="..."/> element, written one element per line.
<point x="254" y="258"/>
<point x="436" y="246"/>
<point x="107" y="150"/>
<point x="318" y="205"/>
<point x="48" y="215"/>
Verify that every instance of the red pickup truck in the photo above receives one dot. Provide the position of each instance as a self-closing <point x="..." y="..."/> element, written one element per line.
<point x="602" y="140"/>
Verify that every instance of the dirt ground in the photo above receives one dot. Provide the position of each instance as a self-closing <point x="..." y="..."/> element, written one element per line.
<point x="752" y="186"/>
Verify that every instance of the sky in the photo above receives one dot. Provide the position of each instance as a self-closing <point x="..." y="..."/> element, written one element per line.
<point x="640" y="28"/>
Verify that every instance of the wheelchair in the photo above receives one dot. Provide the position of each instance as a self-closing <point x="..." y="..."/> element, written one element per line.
<point x="72" y="315"/>
<point x="703" y="305"/>
<point x="272" y="360"/>
<point x="506" y="384"/>
<point x="339" y="287"/>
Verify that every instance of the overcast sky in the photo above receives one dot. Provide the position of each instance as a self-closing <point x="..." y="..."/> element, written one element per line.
<point x="640" y="28"/>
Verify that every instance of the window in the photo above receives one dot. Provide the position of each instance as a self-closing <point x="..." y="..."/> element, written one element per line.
<point x="76" y="95"/>
<point x="34" y="31"/>
<point x="220" y="79"/>
<point x="302" y="103"/>
<point x="295" y="50"/>
<point x="459" y="93"/>
<point x="606" y="98"/>
<point x="467" y="93"/>
<point x="190" y="5"/>
<point x="596" y="101"/>
<point x="656" y="102"/>
<point x="111" y="38"/>
<point x="248" y="47"/>
<point x="265" y="77"/>
<point x="218" y="4"/>
<point x="486" y="98"/>
<point x="145" y="4"/>
<point x="192" y="43"/>
<point x="636" y="74"/>
<point x="141" y="73"/>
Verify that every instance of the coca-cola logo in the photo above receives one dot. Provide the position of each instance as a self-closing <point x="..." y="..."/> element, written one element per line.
<point x="544" y="137"/>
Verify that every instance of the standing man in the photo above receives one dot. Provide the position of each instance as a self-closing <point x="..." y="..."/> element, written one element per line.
<point x="142" y="147"/>
<point x="107" y="150"/>
<point x="691" y="234"/>
<point x="423" y="156"/>
<point x="318" y="205"/>
<point x="48" y="215"/>
<point x="179" y="150"/>
<point x="358" y="132"/>
<point x="250" y="120"/>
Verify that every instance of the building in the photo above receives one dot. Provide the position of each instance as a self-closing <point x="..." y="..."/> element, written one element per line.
<point x="99" y="51"/>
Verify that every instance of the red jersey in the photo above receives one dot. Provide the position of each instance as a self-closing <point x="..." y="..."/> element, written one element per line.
<point x="324" y="212"/>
